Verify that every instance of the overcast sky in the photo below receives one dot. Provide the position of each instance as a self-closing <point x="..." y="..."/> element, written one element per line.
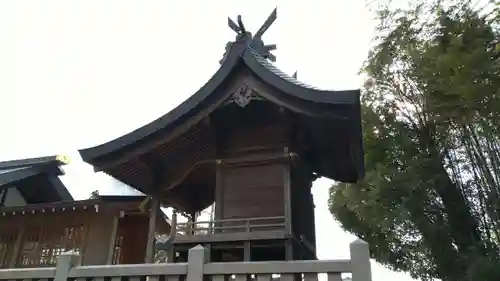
<point x="75" y="74"/>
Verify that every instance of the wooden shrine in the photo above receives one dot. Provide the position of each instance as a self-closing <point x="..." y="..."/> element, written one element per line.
<point x="39" y="220"/>
<point x="251" y="141"/>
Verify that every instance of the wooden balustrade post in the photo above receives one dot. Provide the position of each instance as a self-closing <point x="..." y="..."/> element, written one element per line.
<point x="196" y="261"/>
<point x="153" y="216"/>
<point x="360" y="261"/>
<point x="173" y="229"/>
<point x="173" y="233"/>
<point x="210" y="227"/>
<point x="65" y="262"/>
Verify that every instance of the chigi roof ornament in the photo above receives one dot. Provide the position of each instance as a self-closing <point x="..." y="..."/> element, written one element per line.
<point x="255" y="42"/>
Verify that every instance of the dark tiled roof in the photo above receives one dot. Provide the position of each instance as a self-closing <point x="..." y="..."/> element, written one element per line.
<point x="29" y="175"/>
<point x="15" y="170"/>
<point x="271" y="67"/>
<point x="239" y="54"/>
<point x="56" y="160"/>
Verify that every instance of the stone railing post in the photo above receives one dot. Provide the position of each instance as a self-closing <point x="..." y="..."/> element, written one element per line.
<point x="360" y="261"/>
<point x="65" y="262"/>
<point x="196" y="260"/>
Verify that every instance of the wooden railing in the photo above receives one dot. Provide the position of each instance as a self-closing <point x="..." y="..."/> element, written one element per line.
<point x="230" y="225"/>
<point x="196" y="269"/>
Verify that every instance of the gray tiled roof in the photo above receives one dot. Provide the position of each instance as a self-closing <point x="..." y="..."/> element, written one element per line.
<point x="269" y="65"/>
<point x="3" y="171"/>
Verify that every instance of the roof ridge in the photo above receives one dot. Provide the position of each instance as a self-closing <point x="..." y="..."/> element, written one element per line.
<point x="58" y="160"/>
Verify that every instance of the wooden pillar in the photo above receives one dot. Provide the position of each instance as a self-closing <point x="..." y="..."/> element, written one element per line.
<point x="218" y="191"/>
<point x="153" y="214"/>
<point x="287" y="196"/>
<point x="173" y="227"/>
<point x="173" y="233"/>
<point x="312" y="218"/>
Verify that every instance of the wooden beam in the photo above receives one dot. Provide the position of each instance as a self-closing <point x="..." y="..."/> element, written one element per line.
<point x="153" y="214"/>
<point x="173" y="232"/>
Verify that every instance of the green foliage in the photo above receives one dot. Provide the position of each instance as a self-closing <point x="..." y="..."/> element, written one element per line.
<point x="429" y="204"/>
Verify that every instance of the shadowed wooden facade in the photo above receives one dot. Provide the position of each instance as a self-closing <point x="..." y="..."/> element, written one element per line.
<point x="39" y="220"/>
<point x="252" y="140"/>
<point x="102" y="231"/>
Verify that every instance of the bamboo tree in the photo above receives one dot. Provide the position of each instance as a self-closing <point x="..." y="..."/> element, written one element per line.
<point x="430" y="202"/>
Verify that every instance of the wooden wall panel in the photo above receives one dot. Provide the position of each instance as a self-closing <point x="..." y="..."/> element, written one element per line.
<point x="252" y="191"/>
<point x="242" y="141"/>
<point x="7" y="242"/>
<point x="32" y="239"/>
<point x="29" y="241"/>
<point x="99" y="239"/>
<point x="133" y="231"/>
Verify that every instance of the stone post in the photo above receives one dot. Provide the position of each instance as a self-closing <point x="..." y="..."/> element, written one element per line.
<point x="360" y="261"/>
<point x="65" y="263"/>
<point x="196" y="260"/>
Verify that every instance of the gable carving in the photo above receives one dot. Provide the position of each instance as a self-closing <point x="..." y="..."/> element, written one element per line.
<point x="243" y="96"/>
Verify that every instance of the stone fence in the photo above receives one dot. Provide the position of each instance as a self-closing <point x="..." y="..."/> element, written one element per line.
<point x="196" y="269"/>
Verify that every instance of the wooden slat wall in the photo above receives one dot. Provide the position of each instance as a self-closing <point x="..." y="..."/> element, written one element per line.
<point x="250" y="190"/>
<point x="253" y="191"/>
<point x="7" y="241"/>
<point x="42" y="246"/>
<point x="242" y="141"/>
<point x="44" y="237"/>
<point x="43" y="242"/>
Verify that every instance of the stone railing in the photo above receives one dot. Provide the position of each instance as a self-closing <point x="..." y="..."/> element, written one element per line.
<point x="196" y="269"/>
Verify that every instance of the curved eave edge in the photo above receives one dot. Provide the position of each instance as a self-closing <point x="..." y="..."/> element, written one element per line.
<point x="360" y="143"/>
<point x="348" y="97"/>
<point x="56" y="160"/>
<point x="356" y="140"/>
<point x="90" y="154"/>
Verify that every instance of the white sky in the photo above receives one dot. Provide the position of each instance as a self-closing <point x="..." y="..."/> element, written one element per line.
<point x="75" y="74"/>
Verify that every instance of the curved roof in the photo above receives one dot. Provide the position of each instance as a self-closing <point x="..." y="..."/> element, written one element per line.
<point x="239" y="53"/>
<point x="18" y="173"/>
